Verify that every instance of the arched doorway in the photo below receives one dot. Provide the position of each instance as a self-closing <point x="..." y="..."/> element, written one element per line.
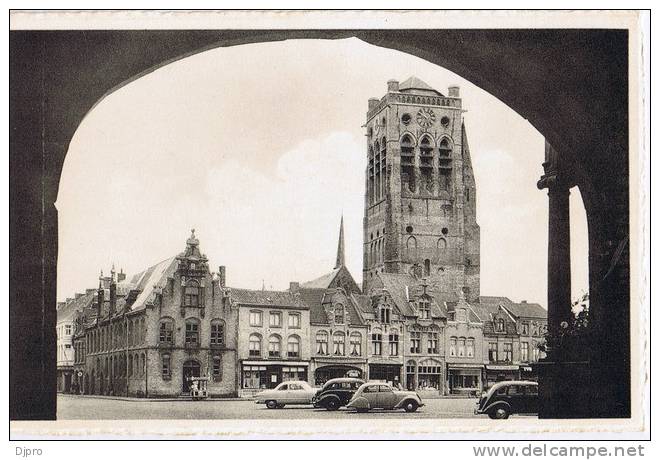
<point x="191" y="368"/>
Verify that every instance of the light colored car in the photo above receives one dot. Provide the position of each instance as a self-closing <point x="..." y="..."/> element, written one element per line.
<point x="378" y="395"/>
<point x="293" y="392"/>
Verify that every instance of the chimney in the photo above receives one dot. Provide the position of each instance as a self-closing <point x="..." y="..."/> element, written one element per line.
<point x="373" y="102"/>
<point x="113" y="296"/>
<point x="78" y="295"/>
<point x="121" y="276"/>
<point x="222" y="272"/>
<point x="454" y="91"/>
<point x="294" y="286"/>
<point x="392" y="85"/>
<point x="99" y="301"/>
<point x="89" y="291"/>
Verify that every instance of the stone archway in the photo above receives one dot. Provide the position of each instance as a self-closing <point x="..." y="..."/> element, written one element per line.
<point x="565" y="85"/>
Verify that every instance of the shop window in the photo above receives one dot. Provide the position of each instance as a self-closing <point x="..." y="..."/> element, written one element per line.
<point x="192" y="333"/>
<point x="275" y="319"/>
<point x="293" y="347"/>
<point x="415" y="342"/>
<point x="356" y="344"/>
<point x="166" y="370"/>
<point x="255" y="346"/>
<point x="394" y="343"/>
<point x="377" y="343"/>
<point x="217" y="333"/>
<point x="274" y="346"/>
<point x="322" y="343"/>
<point x="294" y="320"/>
<point x="256" y="318"/>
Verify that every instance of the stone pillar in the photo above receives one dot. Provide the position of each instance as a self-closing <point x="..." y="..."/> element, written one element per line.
<point x="559" y="240"/>
<point x="559" y="256"/>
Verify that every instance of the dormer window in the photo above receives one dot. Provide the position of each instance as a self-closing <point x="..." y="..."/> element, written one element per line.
<point x="499" y="325"/>
<point x="385" y="314"/>
<point x="424" y="309"/>
<point x="339" y="314"/>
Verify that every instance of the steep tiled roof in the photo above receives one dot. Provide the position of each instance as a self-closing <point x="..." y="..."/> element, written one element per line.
<point x="322" y="282"/>
<point x="145" y="281"/>
<point x="313" y="298"/>
<point x="397" y="284"/>
<point x="68" y="311"/>
<point x="527" y="310"/>
<point x="266" y="298"/>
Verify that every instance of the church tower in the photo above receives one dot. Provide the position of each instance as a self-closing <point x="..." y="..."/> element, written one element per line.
<point x="420" y="201"/>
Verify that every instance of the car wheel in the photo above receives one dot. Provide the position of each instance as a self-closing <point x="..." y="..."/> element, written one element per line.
<point x="410" y="406"/>
<point x="280" y="406"/>
<point x="333" y="404"/>
<point x="499" y="413"/>
<point x="271" y="404"/>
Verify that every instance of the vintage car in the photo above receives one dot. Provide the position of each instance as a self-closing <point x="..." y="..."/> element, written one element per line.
<point x="509" y="397"/>
<point x="293" y="392"/>
<point x="336" y="393"/>
<point x="379" y="395"/>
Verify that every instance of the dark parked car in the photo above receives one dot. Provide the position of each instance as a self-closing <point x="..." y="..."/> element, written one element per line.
<point x="336" y="393"/>
<point x="510" y="397"/>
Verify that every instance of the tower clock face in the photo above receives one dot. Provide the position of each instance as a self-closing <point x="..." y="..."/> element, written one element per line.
<point x="425" y="117"/>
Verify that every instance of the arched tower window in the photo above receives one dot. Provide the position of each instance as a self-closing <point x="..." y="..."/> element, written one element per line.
<point x="427" y="267"/>
<point x="377" y="176"/>
<point x="426" y="165"/>
<point x="411" y="248"/>
<point x="407" y="164"/>
<point x="371" y="176"/>
<point x="444" y="165"/>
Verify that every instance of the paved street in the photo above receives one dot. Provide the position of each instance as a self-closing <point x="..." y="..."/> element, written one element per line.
<point x="85" y="407"/>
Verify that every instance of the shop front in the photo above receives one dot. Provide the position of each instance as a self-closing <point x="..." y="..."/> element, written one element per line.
<point x="332" y="371"/>
<point x="527" y="372"/>
<point x="500" y="372"/>
<point x="263" y="375"/>
<point x="386" y="373"/>
<point x="464" y="379"/>
<point x="425" y="377"/>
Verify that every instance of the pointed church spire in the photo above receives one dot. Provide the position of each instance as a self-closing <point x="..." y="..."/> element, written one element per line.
<point x="340" y="245"/>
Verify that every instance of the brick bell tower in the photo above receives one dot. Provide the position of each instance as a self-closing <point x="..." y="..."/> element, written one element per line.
<point x="420" y="200"/>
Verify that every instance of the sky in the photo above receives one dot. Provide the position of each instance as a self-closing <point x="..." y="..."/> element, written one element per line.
<point x="260" y="148"/>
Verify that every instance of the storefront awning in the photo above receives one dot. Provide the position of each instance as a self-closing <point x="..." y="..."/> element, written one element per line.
<point x="275" y="363"/>
<point x="465" y="366"/>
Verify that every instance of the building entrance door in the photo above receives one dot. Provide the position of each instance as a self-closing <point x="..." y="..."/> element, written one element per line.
<point x="190" y="369"/>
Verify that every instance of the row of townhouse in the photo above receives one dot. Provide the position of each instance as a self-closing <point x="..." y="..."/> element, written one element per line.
<point x="145" y="335"/>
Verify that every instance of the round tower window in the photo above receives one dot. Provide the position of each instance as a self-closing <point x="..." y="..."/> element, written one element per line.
<point x="409" y="229"/>
<point x="444" y="121"/>
<point x="405" y="118"/>
<point x="445" y="230"/>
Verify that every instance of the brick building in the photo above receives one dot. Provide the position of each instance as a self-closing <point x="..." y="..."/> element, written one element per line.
<point x="67" y="312"/>
<point x="273" y="338"/>
<point x="144" y="336"/>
